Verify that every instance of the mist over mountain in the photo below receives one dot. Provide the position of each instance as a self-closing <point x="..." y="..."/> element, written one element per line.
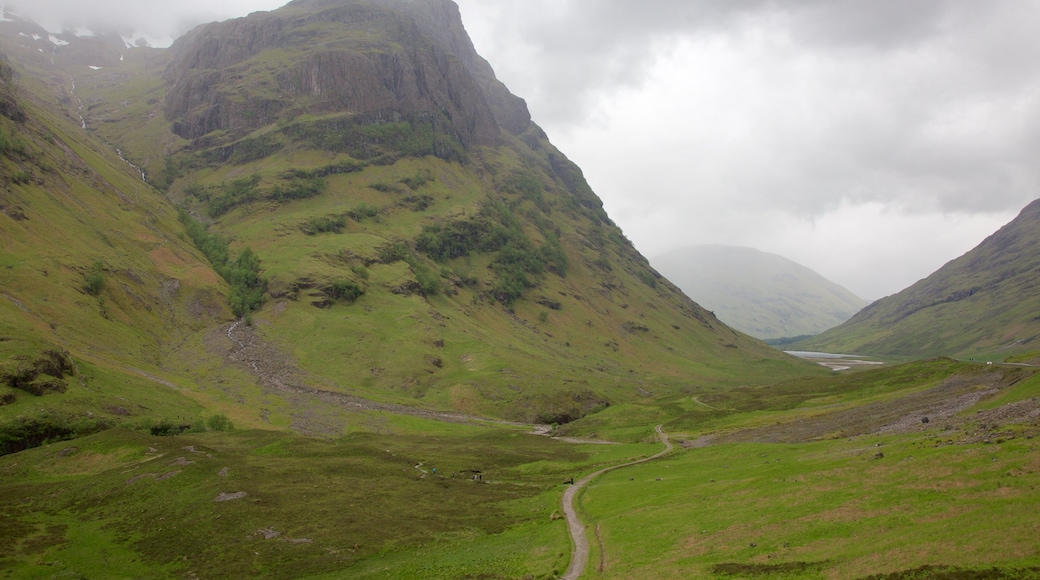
<point x="761" y="294"/>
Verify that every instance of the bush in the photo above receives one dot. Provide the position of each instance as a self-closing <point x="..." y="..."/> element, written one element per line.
<point x="95" y="281"/>
<point x="25" y="433"/>
<point x="421" y="178"/>
<point x="298" y="188"/>
<point x="344" y="290"/>
<point x="219" y="423"/>
<point x="165" y="428"/>
<point x="360" y="270"/>
<point x="324" y="224"/>
<point x="391" y="253"/>
<point x="242" y="273"/>
<point x="362" y="211"/>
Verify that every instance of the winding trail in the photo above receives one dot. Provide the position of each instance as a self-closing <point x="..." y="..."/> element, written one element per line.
<point x="580" y="555"/>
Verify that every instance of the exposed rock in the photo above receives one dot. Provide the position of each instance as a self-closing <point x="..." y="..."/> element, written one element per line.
<point x="219" y="78"/>
<point x="225" y="496"/>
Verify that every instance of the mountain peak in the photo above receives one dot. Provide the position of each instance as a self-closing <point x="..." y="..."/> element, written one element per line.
<point x="387" y="58"/>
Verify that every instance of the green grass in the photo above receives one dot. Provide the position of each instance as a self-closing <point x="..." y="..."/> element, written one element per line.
<point x="830" y="504"/>
<point x="367" y="509"/>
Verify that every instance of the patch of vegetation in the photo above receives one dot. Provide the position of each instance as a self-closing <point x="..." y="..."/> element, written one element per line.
<point x="370" y="138"/>
<point x="228" y="195"/>
<point x="418" y="202"/>
<point x="362" y="211"/>
<point x="518" y="263"/>
<point x="324" y="224"/>
<point x="349" y="166"/>
<point x="43" y="376"/>
<point x="429" y="281"/>
<point x="345" y="290"/>
<point x="393" y="252"/>
<point x="95" y="280"/>
<point x="528" y="186"/>
<point x="24" y="433"/>
<point x="297" y="188"/>
<point x="13" y="145"/>
<point x="223" y="198"/>
<point x="167" y="428"/>
<point x="242" y="273"/>
<point x="931" y="572"/>
<point x="756" y="570"/>
<point x="253" y="149"/>
<point x="648" y="278"/>
<point x="360" y="270"/>
<point x="421" y="178"/>
<point x="386" y="187"/>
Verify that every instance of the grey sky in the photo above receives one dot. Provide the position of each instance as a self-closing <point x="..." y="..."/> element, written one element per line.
<point x="871" y="140"/>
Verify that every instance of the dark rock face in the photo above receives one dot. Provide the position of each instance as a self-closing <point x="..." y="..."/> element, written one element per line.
<point x="319" y="57"/>
<point x="441" y="21"/>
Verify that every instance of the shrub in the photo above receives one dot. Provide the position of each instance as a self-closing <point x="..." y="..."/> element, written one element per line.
<point x="324" y="224"/>
<point x="95" y="280"/>
<point x="242" y="273"/>
<point x="219" y="423"/>
<point x="360" y="270"/>
<point x="394" y="252"/>
<point x="344" y="290"/>
<point x="298" y="188"/>
<point x="421" y="178"/>
<point x="362" y="211"/>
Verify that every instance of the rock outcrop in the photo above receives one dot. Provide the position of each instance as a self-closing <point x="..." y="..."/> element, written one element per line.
<point x="384" y="59"/>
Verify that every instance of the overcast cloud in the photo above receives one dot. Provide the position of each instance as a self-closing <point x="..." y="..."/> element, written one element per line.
<point x="871" y="140"/>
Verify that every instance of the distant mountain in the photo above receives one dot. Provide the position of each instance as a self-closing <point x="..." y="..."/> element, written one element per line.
<point x="761" y="294"/>
<point x="985" y="303"/>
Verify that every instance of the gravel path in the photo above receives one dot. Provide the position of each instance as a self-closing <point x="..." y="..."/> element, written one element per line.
<point x="580" y="555"/>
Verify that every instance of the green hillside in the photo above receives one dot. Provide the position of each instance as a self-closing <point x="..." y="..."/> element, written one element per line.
<point x="761" y="294"/>
<point x="983" y="305"/>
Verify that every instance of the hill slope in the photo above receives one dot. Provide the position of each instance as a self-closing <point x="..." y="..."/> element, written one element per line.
<point x="762" y="294"/>
<point x="984" y="303"/>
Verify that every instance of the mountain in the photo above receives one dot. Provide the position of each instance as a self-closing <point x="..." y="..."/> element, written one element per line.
<point x="985" y="303"/>
<point x="761" y="294"/>
<point x="335" y="198"/>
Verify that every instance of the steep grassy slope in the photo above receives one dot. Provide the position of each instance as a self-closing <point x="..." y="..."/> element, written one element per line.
<point x="984" y="304"/>
<point x="762" y="294"/>
<point x="96" y="286"/>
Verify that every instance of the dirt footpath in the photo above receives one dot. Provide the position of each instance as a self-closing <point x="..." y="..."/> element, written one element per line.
<point x="580" y="554"/>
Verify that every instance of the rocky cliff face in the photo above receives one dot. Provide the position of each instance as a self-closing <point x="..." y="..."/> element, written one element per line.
<point x="441" y="21"/>
<point x="387" y="58"/>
